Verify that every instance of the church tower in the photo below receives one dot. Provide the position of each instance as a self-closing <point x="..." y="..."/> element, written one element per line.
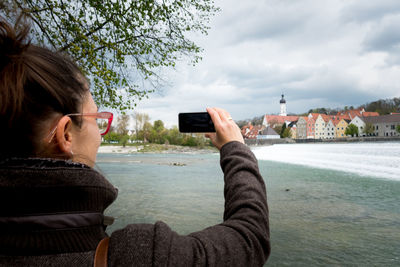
<point x="283" y="107"/>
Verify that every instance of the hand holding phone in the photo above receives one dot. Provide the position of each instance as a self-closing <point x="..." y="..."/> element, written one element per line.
<point x="226" y="129"/>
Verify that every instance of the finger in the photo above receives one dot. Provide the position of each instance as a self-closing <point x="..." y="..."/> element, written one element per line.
<point x="209" y="135"/>
<point x="223" y="114"/>
<point x="215" y="117"/>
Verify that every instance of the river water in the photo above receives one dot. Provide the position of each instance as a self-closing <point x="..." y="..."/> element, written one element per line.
<point x="330" y="204"/>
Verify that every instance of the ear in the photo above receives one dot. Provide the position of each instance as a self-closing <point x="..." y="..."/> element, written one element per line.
<point x="64" y="135"/>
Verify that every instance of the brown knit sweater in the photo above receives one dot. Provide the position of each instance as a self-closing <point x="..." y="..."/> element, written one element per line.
<point x="51" y="214"/>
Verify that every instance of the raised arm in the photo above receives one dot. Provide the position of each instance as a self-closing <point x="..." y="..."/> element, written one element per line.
<point x="242" y="239"/>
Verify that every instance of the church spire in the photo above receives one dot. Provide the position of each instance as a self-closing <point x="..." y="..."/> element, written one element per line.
<point x="283" y="106"/>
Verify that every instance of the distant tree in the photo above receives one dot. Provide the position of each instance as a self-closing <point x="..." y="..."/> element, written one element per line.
<point x="124" y="140"/>
<point x="320" y="110"/>
<point x="369" y="129"/>
<point x="283" y="130"/>
<point x="189" y="140"/>
<point x="277" y="128"/>
<point x="352" y="130"/>
<point x="158" y="125"/>
<point x="286" y="133"/>
<point x="383" y="106"/>
<point x="201" y="140"/>
<point x="146" y="131"/>
<point x="158" y="133"/>
<point x="112" y="137"/>
<point x="398" y="128"/>
<point x="257" y="120"/>
<point x="140" y="120"/>
<point x="241" y="123"/>
<point x="174" y="137"/>
<point x="122" y="124"/>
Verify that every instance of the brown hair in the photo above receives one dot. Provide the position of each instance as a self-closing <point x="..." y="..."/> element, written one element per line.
<point x="36" y="84"/>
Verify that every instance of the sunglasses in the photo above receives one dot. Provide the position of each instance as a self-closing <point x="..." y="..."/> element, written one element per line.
<point x="103" y="119"/>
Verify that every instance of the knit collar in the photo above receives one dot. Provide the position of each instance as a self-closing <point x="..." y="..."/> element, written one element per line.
<point x="51" y="206"/>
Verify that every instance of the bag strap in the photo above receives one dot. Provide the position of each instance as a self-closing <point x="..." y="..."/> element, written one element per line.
<point x="100" y="258"/>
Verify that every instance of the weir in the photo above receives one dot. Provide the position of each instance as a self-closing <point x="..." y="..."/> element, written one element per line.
<point x="376" y="159"/>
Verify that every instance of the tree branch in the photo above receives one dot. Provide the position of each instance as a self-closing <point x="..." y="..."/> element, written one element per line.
<point x="93" y="30"/>
<point x="117" y="42"/>
<point x="37" y="22"/>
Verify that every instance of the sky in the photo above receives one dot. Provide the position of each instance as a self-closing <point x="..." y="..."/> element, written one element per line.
<point x="330" y="53"/>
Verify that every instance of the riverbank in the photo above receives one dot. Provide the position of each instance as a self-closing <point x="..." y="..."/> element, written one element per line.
<point x="155" y="148"/>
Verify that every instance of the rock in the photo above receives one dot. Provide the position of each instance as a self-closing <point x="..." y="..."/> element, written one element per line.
<point x="178" y="164"/>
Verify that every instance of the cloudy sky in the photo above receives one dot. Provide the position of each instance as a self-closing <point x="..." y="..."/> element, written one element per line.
<point x="329" y="53"/>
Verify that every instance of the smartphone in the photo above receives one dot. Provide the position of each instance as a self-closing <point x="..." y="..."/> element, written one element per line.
<point x="195" y="122"/>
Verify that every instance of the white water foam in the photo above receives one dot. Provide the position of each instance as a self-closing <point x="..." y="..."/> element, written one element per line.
<point x="380" y="160"/>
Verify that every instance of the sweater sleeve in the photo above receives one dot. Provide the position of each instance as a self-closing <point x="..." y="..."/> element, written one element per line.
<point x="243" y="237"/>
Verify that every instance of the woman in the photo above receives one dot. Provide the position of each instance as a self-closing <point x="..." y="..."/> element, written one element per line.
<point x="52" y="200"/>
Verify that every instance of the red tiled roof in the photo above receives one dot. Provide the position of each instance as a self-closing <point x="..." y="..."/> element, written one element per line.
<point x="351" y="114"/>
<point x="370" y="114"/>
<point x="277" y="119"/>
<point x="314" y="115"/>
<point x="383" y="119"/>
<point x="252" y="134"/>
<point x="305" y="118"/>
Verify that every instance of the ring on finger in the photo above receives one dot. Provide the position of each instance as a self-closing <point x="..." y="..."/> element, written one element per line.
<point x="230" y="118"/>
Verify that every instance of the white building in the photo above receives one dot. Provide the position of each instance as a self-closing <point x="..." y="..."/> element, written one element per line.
<point x="357" y="121"/>
<point x="329" y="131"/>
<point x="320" y="127"/>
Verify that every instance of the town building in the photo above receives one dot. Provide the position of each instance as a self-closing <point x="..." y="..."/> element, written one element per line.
<point x="273" y="120"/>
<point x="384" y="125"/>
<point x="320" y="123"/>
<point x="268" y="133"/>
<point x="302" y="128"/>
<point x="293" y="132"/>
<point x="250" y="132"/>
<point x="312" y="117"/>
<point x="341" y="128"/>
<point x="329" y="130"/>
<point x="357" y="121"/>
<point x="351" y="114"/>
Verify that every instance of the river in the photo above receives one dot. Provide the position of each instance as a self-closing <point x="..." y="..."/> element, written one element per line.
<point x="330" y="204"/>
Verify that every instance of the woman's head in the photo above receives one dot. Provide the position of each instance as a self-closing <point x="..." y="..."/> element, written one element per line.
<point x="38" y="87"/>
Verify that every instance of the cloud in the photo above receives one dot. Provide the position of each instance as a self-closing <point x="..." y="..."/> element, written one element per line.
<point x="369" y="11"/>
<point x="385" y="37"/>
<point x="329" y="53"/>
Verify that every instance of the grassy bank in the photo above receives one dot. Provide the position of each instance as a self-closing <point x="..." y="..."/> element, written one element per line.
<point x="154" y="148"/>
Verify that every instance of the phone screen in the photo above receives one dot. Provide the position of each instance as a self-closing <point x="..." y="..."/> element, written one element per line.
<point x="195" y="122"/>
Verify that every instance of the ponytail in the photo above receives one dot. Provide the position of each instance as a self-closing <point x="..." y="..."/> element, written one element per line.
<point x="12" y="47"/>
<point x="36" y="84"/>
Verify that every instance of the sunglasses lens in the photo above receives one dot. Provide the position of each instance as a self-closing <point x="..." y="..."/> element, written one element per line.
<point x="102" y="124"/>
